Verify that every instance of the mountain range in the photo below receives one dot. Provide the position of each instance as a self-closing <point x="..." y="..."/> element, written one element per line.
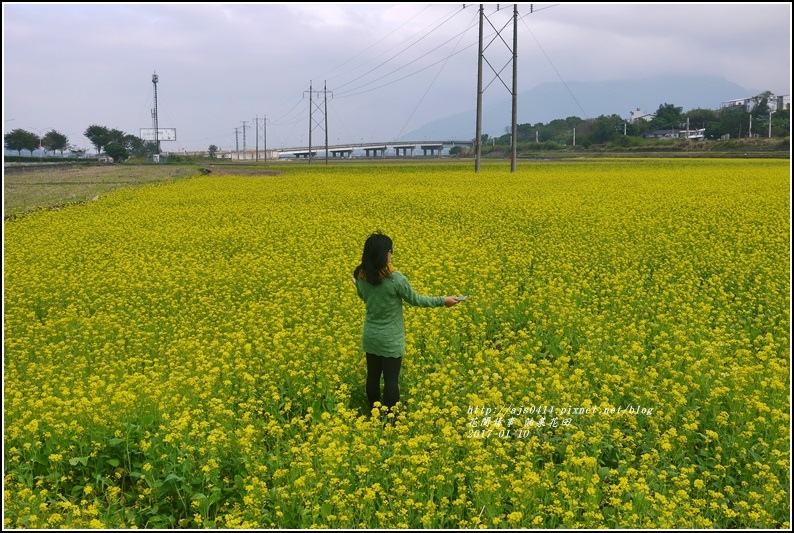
<point x="550" y="101"/>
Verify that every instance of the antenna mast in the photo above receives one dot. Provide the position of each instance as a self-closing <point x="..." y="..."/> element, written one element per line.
<point x="154" y="115"/>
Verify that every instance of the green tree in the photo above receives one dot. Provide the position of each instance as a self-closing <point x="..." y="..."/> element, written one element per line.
<point x="556" y="130"/>
<point x="701" y="118"/>
<point x="20" y="139"/>
<point x="712" y="131"/>
<point x="781" y="123"/>
<point x="98" y="135"/>
<point x="636" y="129"/>
<point x="762" y="115"/>
<point x="734" y="121"/>
<point x="212" y="150"/>
<point x="564" y="130"/>
<point x="605" y="129"/>
<point x="761" y="104"/>
<point x="117" y="136"/>
<point x="117" y="151"/>
<point x="137" y="147"/>
<point x="667" y="116"/>
<point x="54" y="140"/>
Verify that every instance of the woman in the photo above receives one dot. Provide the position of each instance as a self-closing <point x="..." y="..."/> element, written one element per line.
<point x="383" y="290"/>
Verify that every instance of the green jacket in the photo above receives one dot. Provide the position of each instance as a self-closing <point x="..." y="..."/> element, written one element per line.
<point x="384" y="327"/>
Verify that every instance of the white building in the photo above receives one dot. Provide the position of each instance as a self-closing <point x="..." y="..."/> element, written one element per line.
<point x="780" y="102"/>
<point x="693" y="134"/>
<point x="775" y="103"/>
<point x="634" y="116"/>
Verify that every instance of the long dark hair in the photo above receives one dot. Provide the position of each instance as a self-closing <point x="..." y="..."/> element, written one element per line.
<point x="375" y="258"/>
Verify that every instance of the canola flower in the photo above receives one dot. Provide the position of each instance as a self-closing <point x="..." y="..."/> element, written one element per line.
<point x="187" y="355"/>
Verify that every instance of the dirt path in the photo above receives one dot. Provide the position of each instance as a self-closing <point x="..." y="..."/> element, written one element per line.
<point x="27" y="188"/>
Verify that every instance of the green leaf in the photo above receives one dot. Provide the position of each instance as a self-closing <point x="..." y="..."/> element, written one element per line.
<point x="216" y="495"/>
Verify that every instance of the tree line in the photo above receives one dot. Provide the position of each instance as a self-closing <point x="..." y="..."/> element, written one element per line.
<point x="728" y="122"/>
<point x="20" y="139"/>
<point x="115" y="143"/>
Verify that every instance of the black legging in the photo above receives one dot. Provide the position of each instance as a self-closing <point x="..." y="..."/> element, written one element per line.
<point x="390" y="368"/>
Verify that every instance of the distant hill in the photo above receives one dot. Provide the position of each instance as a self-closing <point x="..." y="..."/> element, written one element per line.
<point x="551" y="101"/>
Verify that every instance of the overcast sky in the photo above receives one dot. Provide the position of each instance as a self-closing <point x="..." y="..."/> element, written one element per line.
<point x="387" y="69"/>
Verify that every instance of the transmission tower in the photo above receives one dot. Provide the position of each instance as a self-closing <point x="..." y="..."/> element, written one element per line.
<point x="244" y="122"/>
<point x="316" y="123"/>
<point x="264" y="132"/>
<point x="513" y="91"/>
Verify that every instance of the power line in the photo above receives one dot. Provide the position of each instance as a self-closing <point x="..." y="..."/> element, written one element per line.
<point x="360" y="89"/>
<point x="551" y="64"/>
<point x="443" y="60"/>
<point x="288" y="118"/>
<point x="428" y="89"/>
<point x="294" y="115"/>
<point x="401" y="52"/>
<point x="377" y="42"/>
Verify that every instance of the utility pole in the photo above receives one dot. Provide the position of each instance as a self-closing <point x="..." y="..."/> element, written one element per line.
<point x="515" y="90"/>
<point x="237" y="143"/>
<point x="310" y="122"/>
<point x="325" y="113"/>
<point x="770" y="124"/>
<point x="478" y="135"/>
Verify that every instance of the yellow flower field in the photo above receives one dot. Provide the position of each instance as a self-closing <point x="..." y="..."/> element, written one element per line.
<point x="187" y="354"/>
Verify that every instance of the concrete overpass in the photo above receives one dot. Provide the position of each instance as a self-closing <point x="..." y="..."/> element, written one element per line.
<point x="396" y="149"/>
<point x="372" y="150"/>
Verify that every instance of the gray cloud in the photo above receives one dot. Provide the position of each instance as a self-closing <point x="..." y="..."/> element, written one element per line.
<point x="389" y="68"/>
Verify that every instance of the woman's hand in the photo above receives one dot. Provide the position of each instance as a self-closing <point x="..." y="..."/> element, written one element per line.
<point x="449" y="301"/>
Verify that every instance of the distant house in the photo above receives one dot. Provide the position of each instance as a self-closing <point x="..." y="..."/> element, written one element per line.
<point x="746" y="103"/>
<point x="661" y="134"/>
<point x="634" y="116"/>
<point x="693" y="134"/>
<point x="775" y="103"/>
<point x="780" y="102"/>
